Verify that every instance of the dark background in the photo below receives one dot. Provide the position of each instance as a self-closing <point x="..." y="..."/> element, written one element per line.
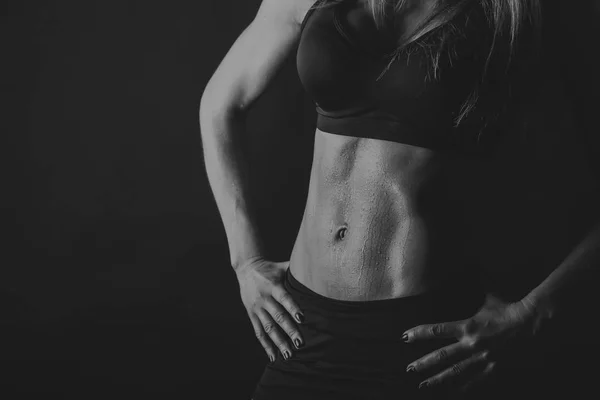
<point x="115" y="276"/>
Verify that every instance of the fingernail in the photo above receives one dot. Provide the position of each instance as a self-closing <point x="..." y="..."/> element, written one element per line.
<point x="286" y="354"/>
<point x="298" y="343"/>
<point x="299" y="317"/>
<point x="423" y="385"/>
<point x="410" y="368"/>
<point x="271" y="359"/>
<point x="405" y="338"/>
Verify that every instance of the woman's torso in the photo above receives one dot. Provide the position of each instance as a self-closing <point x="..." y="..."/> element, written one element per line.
<point x="391" y="216"/>
<point x="383" y="220"/>
<point x="386" y="214"/>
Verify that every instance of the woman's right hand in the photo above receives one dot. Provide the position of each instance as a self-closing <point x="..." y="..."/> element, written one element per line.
<point x="271" y="308"/>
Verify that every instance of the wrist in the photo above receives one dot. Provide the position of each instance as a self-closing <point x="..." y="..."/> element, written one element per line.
<point x="539" y="304"/>
<point x="245" y="243"/>
<point x="240" y="262"/>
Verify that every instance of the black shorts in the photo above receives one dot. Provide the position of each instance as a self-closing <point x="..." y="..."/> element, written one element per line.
<point x="354" y="349"/>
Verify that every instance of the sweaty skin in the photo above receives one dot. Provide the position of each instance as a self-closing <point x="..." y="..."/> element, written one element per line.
<point x="382" y="219"/>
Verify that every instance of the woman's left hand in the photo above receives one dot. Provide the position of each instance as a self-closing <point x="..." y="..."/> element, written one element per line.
<point x="497" y="327"/>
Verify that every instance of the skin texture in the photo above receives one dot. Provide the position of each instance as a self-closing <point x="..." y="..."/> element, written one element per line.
<point x="505" y="333"/>
<point x="382" y="219"/>
<point x="498" y="327"/>
<point x="386" y="220"/>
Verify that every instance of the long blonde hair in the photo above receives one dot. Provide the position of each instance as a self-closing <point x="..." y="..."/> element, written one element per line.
<point x="506" y="20"/>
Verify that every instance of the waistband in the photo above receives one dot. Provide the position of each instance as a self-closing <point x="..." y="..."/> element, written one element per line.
<point x="443" y="303"/>
<point x="354" y="349"/>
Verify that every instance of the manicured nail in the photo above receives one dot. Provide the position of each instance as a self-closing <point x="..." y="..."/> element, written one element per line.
<point x="423" y="385"/>
<point x="405" y="338"/>
<point x="299" y="317"/>
<point x="272" y="359"/>
<point x="286" y="354"/>
<point x="410" y="368"/>
<point x="298" y="343"/>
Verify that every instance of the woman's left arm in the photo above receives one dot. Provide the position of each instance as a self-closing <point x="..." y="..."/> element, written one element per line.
<point x="499" y="327"/>
<point x="551" y="293"/>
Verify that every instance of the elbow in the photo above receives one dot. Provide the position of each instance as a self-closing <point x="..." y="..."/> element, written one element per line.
<point x="209" y="108"/>
<point x="215" y="107"/>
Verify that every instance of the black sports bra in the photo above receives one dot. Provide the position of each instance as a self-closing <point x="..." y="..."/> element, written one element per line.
<point x="340" y="56"/>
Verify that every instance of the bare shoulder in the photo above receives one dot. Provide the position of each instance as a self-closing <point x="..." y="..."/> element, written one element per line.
<point x="292" y="11"/>
<point x="302" y="7"/>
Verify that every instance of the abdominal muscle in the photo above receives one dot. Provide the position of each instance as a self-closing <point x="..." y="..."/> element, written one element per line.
<point x="382" y="220"/>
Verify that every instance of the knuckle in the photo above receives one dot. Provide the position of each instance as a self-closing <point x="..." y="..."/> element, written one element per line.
<point x="470" y="326"/>
<point x="279" y="317"/>
<point x="441" y="355"/>
<point x="434" y="330"/>
<point x="294" y="334"/>
<point x="269" y="328"/>
<point x="456" y="369"/>
<point x="259" y="335"/>
<point x="472" y="343"/>
<point x="285" y="298"/>
<point x="255" y="305"/>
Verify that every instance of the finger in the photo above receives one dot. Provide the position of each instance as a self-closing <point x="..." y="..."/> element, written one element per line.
<point x="271" y="329"/>
<point x="433" y="331"/>
<point x="480" y="378"/>
<point x="286" y="300"/>
<point x="263" y="338"/>
<point x="285" y="322"/>
<point x="460" y="371"/>
<point x="441" y="357"/>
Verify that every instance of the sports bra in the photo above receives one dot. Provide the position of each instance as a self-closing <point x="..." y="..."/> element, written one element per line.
<point x="340" y="59"/>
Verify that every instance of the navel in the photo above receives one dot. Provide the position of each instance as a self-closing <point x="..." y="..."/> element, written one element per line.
<point x="341" y="233"/>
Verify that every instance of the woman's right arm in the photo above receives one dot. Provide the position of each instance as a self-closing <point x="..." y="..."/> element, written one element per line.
<point x="243" y="75"/>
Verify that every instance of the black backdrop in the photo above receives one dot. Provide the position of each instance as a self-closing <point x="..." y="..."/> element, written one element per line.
<point x="115" y="276"/>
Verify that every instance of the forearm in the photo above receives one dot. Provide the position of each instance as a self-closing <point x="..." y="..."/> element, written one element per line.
<point x="578" y="267"/>
<point x="227" y="169"/>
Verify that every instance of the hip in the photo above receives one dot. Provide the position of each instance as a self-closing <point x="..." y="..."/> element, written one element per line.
<point x="355" y="348"/>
